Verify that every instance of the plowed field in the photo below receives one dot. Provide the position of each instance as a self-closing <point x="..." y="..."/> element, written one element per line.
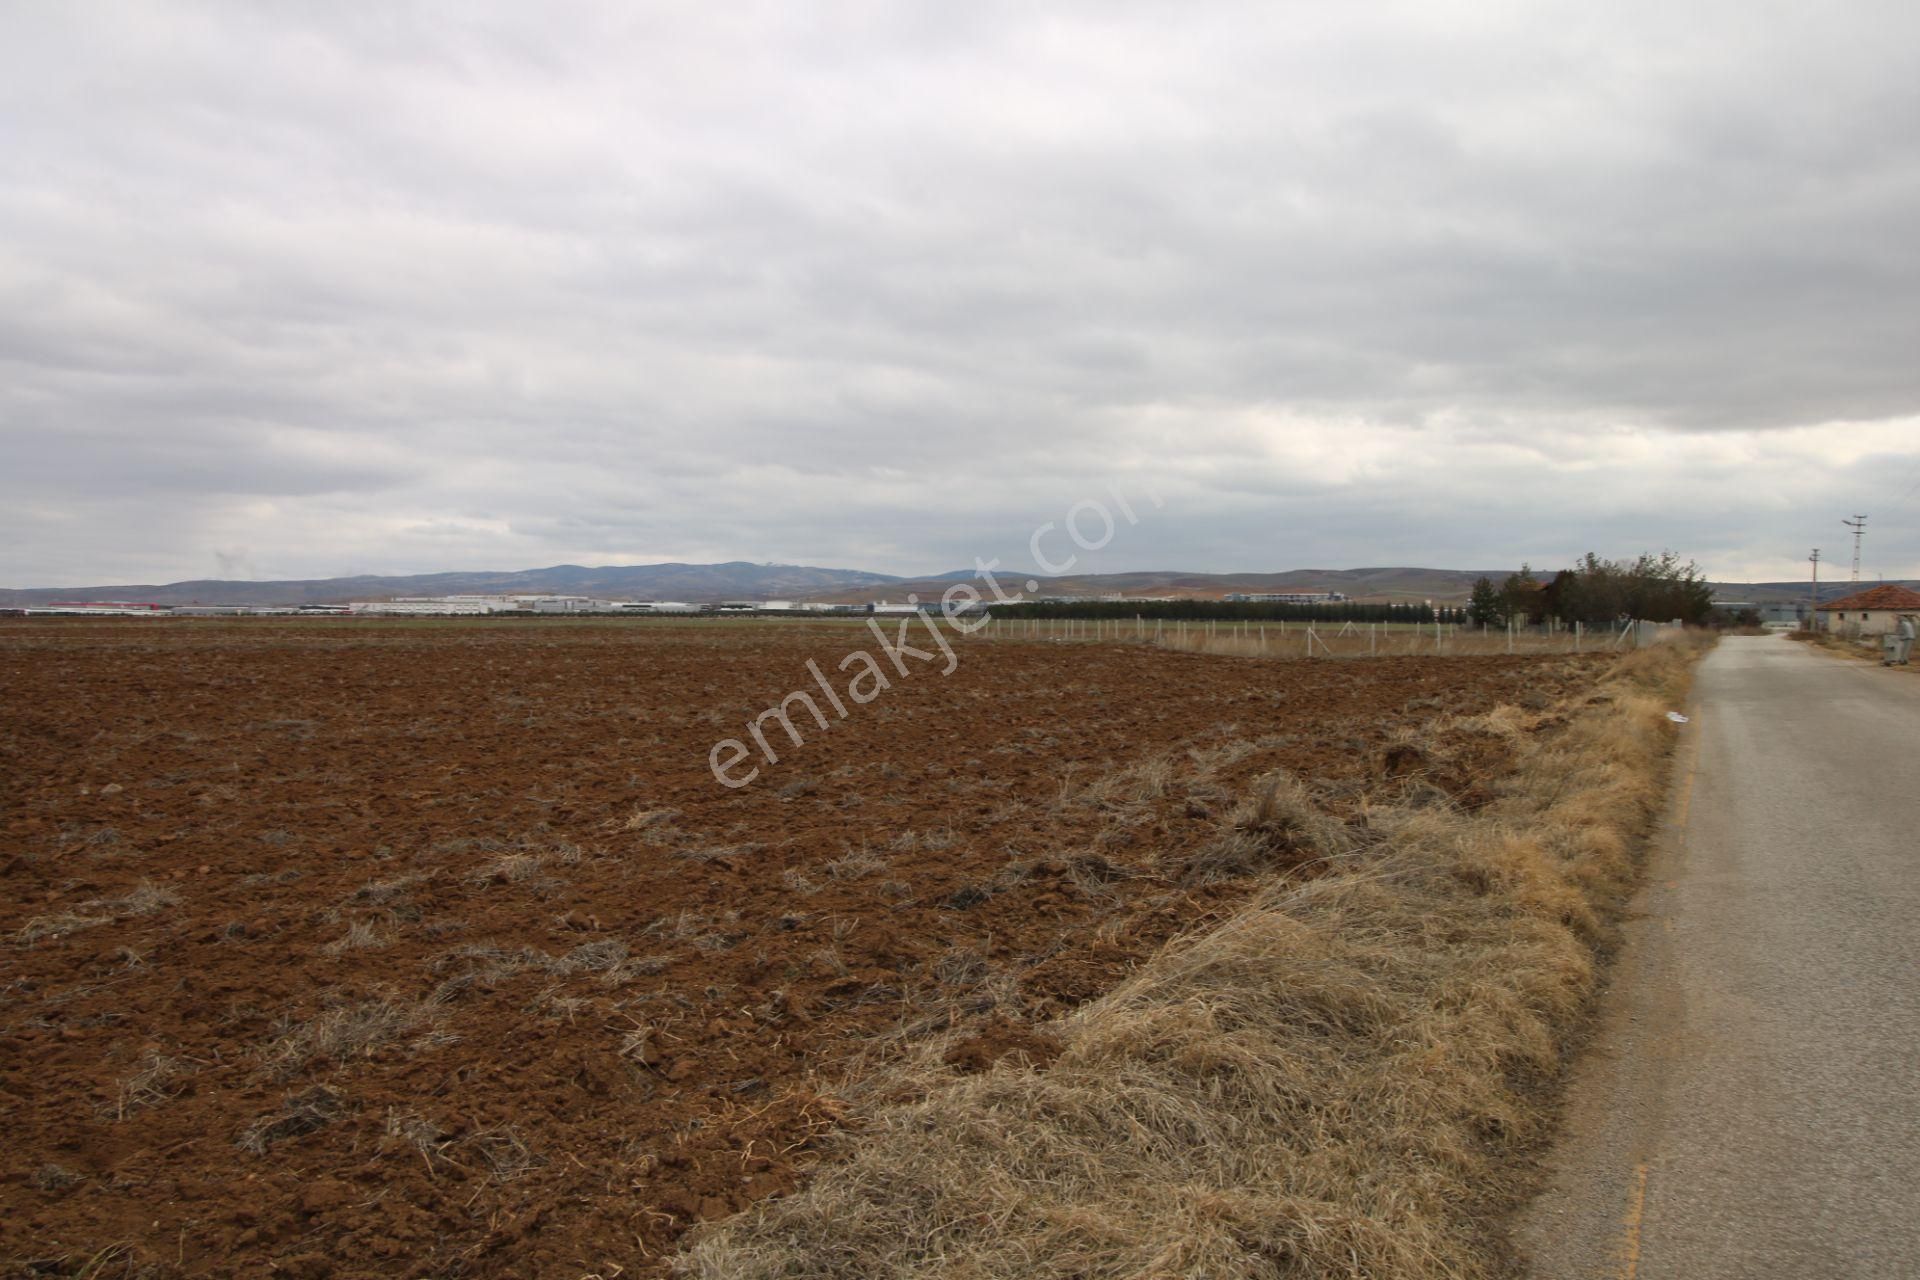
<point x="344" y="949"/>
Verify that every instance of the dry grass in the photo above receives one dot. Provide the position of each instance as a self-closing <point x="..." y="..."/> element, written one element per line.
<point x="361" y="935"/>
<point x="389" y="893"/>
<point x="300" y="1114"/>
<point x="41" y="928"/>
<point x="1865" y="648"/>
<point x="1278" y="827"/>
<point x="342" y="1034"/>
<point x="1334" y="1082"/>
<point x="508" y="868"/>
<point x="158" y="1079"/>
<point x="502" y="1151"/>
<point x="144" y="899"/>
<point x="499" y="1151"/>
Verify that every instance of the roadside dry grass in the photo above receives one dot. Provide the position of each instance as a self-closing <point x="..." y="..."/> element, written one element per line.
<point x="1338" y="1080"/>
<point x="1859" y="648"/>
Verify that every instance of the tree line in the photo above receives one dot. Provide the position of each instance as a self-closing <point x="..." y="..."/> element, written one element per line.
<point x="1596" y="593"/>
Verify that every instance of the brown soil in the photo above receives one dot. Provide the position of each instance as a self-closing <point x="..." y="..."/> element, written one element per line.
<point x="344" y="949"/>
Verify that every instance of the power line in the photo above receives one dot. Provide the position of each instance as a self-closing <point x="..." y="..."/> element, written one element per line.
<point x="1859" y="526"/>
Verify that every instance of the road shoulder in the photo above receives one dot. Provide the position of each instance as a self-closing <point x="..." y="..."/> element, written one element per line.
<point x="1585" y="1222"/>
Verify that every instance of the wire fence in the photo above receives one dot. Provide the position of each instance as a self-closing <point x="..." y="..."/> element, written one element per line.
<point x="1311" y="640"/>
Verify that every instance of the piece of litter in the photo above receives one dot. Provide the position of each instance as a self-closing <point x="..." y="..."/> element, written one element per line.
<point x="1676" y="717"/>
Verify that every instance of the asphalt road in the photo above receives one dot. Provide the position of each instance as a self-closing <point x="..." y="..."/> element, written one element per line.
<point x="1751" y="1104"/>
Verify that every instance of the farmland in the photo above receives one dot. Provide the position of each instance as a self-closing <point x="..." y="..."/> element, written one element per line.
<point x="349" y="948"/>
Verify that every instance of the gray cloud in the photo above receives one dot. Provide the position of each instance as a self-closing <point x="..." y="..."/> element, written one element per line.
<point x="426" y="287"/>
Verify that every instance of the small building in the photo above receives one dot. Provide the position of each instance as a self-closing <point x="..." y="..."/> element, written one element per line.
<point x="1873" y="612"/>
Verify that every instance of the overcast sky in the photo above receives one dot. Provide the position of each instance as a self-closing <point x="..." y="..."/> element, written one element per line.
<point x="297" y="290"/>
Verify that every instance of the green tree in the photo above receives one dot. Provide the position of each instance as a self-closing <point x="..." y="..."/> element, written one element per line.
<point x="1659" y="588"/>
<point x="1486" y="608"/>
<point x="1520" y="597"/>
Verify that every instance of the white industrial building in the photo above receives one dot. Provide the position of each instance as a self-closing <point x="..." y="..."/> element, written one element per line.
<point x="102" y="608"/>
<point x="1285" y="597"/>
<point x="473" y="605"/>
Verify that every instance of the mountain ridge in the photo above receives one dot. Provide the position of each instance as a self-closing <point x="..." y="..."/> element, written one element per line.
<point x="699" y="583"/>
<point x="749" y="580"/>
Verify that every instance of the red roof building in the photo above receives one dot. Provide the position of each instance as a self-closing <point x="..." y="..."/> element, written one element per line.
<point x="1875" y="611"/>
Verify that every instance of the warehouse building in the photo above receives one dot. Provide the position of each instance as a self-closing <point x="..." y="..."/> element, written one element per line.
<point x="477" y="605"/>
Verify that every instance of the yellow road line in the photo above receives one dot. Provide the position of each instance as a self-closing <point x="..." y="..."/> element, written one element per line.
<point x="1693" y="767"/>
<point x="1637" y="1199"/>
<point x="1636" y="1211"/>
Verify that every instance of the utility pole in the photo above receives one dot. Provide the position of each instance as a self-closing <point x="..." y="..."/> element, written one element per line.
<point x="1813" y="603"/>
<point x="1859" y="526"/>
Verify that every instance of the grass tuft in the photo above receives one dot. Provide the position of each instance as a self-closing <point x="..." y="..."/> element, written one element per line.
<point x="41" y="928"/>
<point x="342" y="1034"/>
<point x="1277" y="828"/>
<point x="157" y="1080"/>
<point x="361" y="935"/>
<point x="144" y="899"/>
<point x="302" y="1113"/>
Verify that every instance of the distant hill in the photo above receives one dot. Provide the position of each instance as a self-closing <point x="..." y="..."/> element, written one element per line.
<point x="1795" y="592"/>
<point x="1388" y="585"/>
<point x="743" y="580"/>
<point x="735" y="580"/>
